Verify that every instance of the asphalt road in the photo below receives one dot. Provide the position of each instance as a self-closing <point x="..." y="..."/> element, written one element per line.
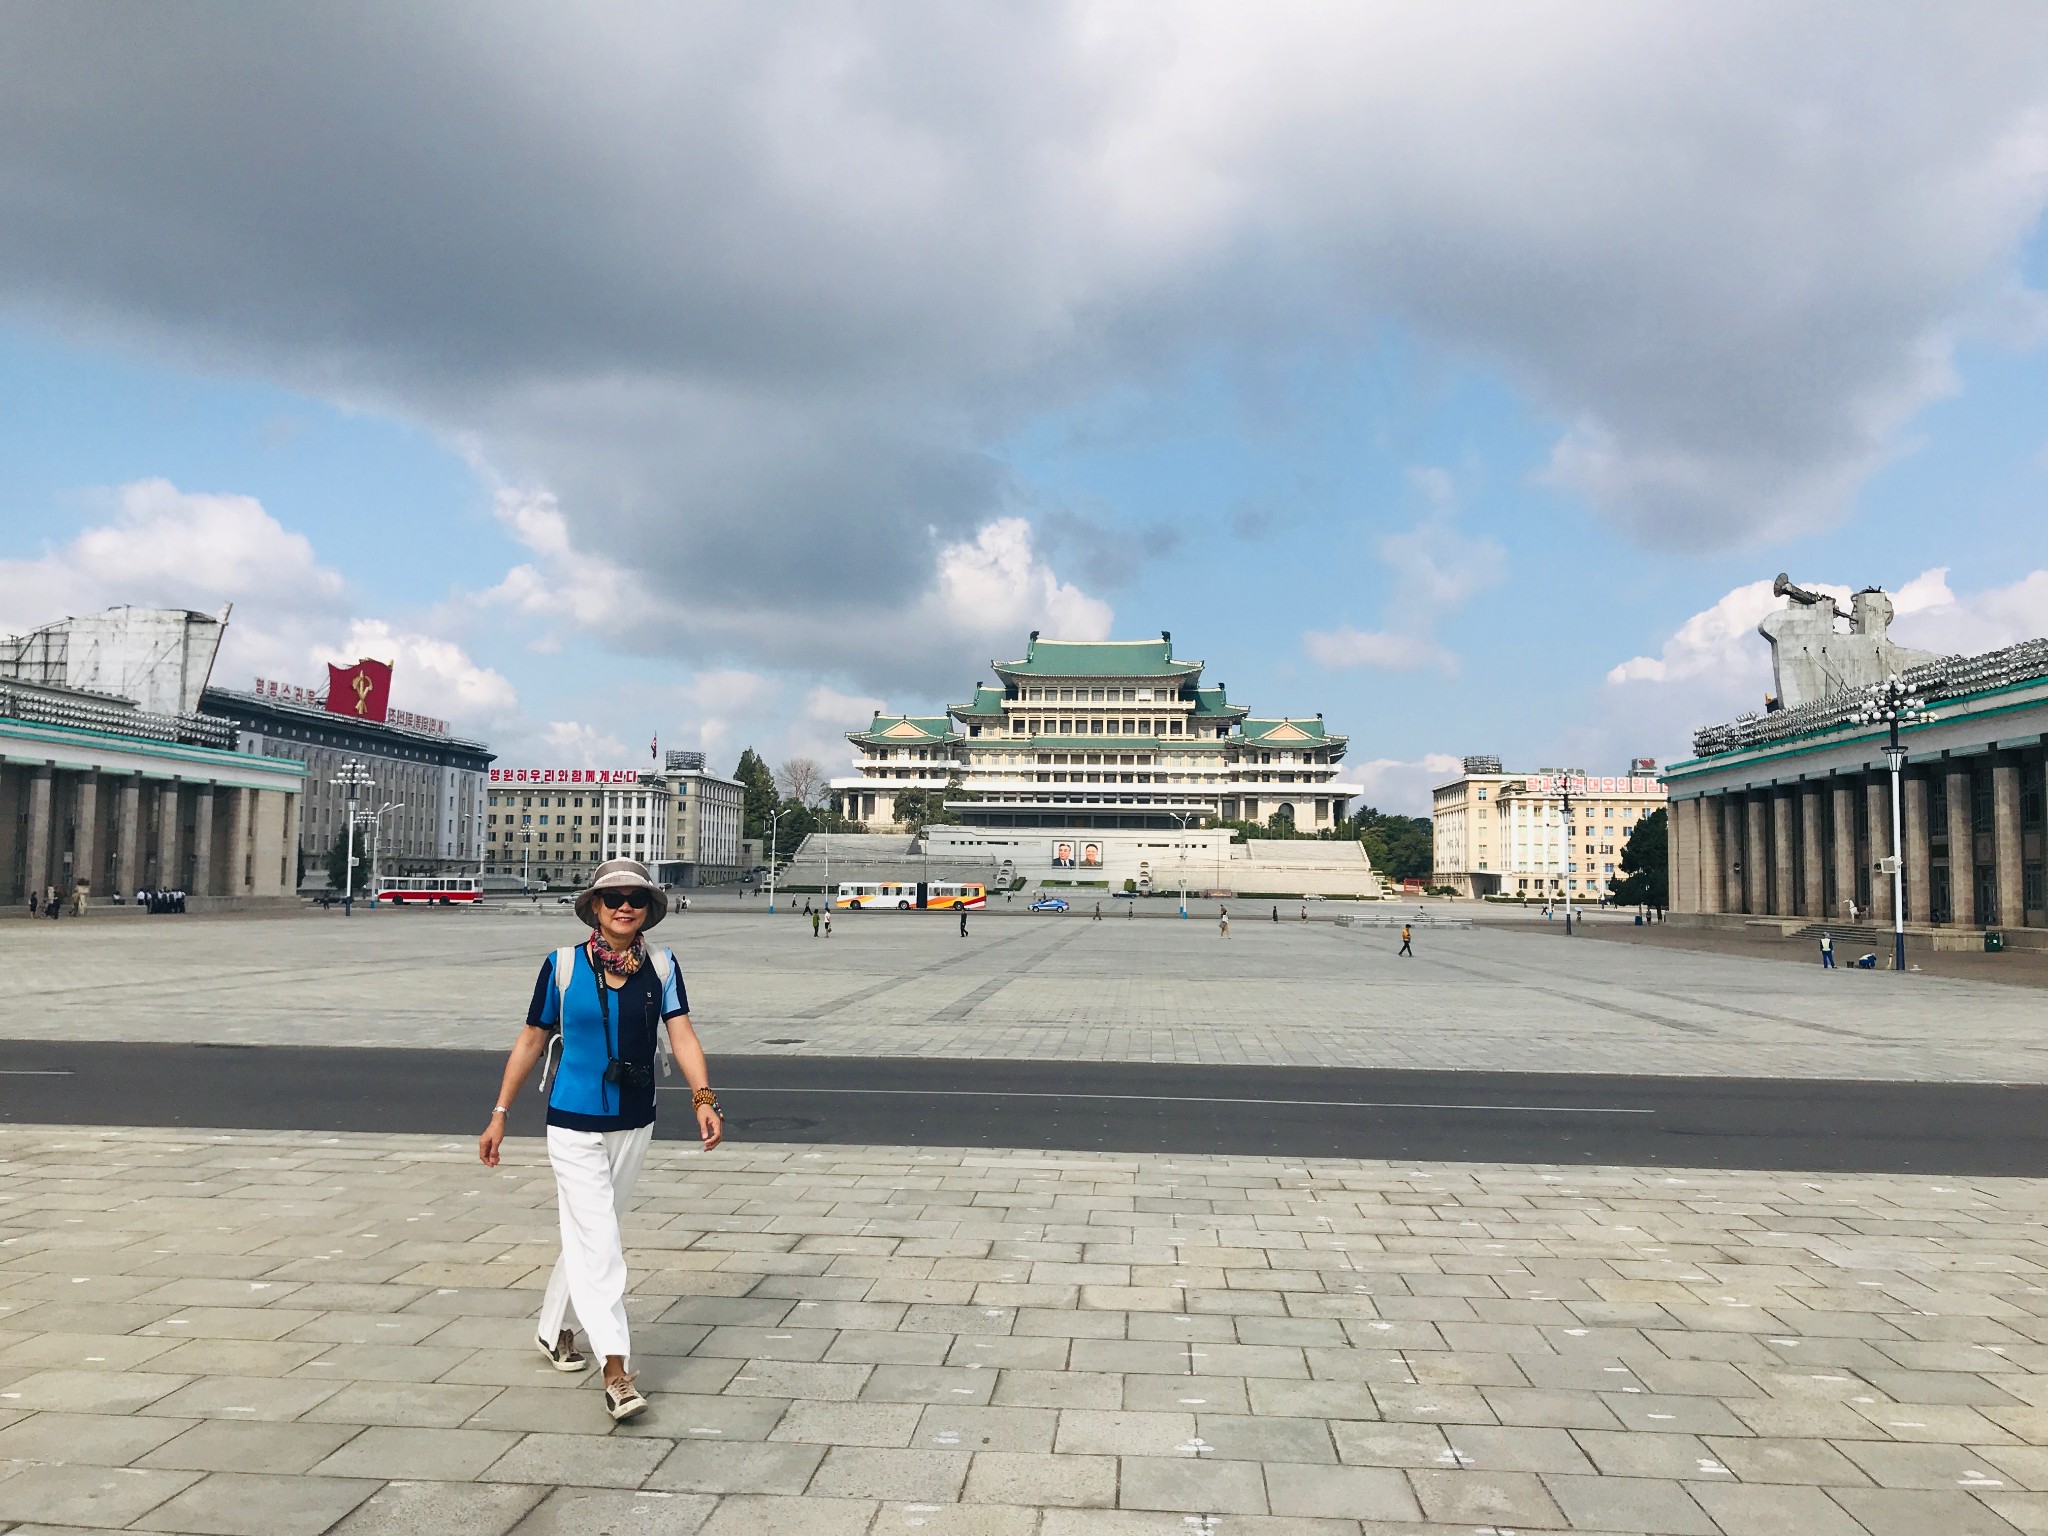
<point x="1821" y="1126"/>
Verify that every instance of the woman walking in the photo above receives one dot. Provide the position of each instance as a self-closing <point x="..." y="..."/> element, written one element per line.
<point x="602" y="1002"/>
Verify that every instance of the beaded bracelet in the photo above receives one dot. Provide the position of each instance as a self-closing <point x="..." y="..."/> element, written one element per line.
<point x="699" y="1097"/>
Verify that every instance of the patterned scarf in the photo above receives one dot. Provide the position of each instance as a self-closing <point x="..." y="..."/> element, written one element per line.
<point x="604" y="958"/>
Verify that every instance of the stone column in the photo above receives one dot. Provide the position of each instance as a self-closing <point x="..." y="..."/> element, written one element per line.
<point x="1681" y="855"/>
<point x="202" y="842"/>
<point x="2005" y="843"/>
<point x="1756" y="865"/>
<point x="1877" y="805"/>
<point x="128" y="838"/>
<point x="1781" y="853"/>
<point x="1812" y="887"/>
<point x="1919" y="851"/>
<point x="1731" y="852"/>
<point x="1962" y="852"/>
<point x="1842" y="799"/>
<point x="37" y="875"/>
<point x="292" y="841"/>
<point x="236" y="881"/>
<point x="1707" y="848"/>
<point x="86" y="841"/>
<point x="167" y="808"/>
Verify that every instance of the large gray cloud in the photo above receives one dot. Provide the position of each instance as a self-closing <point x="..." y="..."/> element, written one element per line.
<point x="755" y="290"/>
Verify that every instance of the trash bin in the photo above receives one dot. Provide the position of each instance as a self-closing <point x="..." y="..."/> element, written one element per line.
<point x="1994" y="941"/>
<point x="1639" y="919"/>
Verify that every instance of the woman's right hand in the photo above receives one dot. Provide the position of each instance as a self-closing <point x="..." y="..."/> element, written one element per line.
<point x="488" y="1143"/>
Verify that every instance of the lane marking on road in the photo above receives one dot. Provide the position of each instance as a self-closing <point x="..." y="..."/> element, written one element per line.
<point x="35" y="1072"/>
<point x="1192" y="1098"/>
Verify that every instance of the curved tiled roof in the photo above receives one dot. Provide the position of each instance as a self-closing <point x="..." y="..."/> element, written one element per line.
<point x="1098" y="658"/>
<point x="906" y="730"/>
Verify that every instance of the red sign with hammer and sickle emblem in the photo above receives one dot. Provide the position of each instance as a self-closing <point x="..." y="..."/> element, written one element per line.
<point x="362" y="692"/>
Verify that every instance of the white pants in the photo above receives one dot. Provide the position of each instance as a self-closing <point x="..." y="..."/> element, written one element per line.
<point x="594" y="1176"/>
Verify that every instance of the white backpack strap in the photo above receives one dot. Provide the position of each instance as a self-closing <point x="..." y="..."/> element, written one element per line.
<point x="664" y="961"/>
<point x="564" y="973"/>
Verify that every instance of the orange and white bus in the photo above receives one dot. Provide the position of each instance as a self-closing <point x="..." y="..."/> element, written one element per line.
<point x="910" y="895"/>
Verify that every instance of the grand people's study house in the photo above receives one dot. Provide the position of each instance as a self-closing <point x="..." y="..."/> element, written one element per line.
<point x="1788" y="813"/>
<point x="1100" y="733"/>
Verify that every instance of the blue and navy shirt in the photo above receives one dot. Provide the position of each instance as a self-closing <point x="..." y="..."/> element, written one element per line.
<point x="623" y="1023"/>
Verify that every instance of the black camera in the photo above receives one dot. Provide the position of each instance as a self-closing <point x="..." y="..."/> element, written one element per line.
<point x="629" y="1073"/>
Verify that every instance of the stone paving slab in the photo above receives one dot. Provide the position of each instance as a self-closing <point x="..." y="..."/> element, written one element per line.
<point x="1498" y="997"/>
<point x="883" y="1340"/>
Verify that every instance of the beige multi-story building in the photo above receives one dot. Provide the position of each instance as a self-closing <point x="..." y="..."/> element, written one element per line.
<point x="551" y="826"/>
<point x="1542" y="835"/>
<point x="1102" y="734"/>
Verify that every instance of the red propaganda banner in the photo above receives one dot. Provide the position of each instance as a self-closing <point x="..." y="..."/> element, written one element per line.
<point x="362" y="692"/>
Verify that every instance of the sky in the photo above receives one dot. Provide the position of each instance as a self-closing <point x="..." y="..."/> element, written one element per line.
<point x="721" y="375"/>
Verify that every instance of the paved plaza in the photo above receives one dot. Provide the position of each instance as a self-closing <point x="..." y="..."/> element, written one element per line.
<point x="1501" y="997"/>
<point x="284" y="1335"/>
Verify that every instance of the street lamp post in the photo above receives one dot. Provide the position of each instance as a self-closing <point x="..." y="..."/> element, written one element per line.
<point x="1887" y="704"/>
<point x="1565" y="801"/>
<point x="377" y="841"/>
<point x="353" y="777"/>
<point x="1182" y="818"/>
<point x="774" y="817"/>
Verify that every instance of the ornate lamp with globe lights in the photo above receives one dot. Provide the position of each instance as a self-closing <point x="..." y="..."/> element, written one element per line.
<point x="1890" y="703"/>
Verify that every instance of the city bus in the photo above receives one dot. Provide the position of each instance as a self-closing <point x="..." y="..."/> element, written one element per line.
<point x="906" y="895"/>
<point x="442" y="889"/>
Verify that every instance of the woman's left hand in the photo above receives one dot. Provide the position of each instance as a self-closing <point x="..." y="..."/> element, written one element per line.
<point x="709" y="1126"/>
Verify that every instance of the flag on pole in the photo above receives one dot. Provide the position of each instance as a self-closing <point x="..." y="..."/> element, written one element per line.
<point x="654" y="747"/>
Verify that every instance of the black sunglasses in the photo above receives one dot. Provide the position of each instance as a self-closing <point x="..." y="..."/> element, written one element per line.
<point x="615" y="899"/>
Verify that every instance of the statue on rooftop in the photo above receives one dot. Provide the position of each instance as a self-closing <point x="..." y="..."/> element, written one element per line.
<point x="1811" y="659"/>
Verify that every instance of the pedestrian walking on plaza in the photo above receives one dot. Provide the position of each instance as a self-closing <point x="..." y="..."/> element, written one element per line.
<point x="1567" y="922"/>
<point x="1405" y="938"/>
<point x="828" y="922"/>
<point x="1827" y="951"/>
<point x="814" y="924"/>
<point x="53" y="904"/>
<point x="1276" y="912"/>
<point x="963" y="920"/>
<point x="34" y="903"/>
<point x="1304" y="911"/>
<point x="1223" y="922"/>
<point x="1098" y="913"/>
<point x="603" y="1002"/>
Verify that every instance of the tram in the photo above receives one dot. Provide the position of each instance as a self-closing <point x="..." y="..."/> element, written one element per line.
<point x="910" y="895"/>
<point x="440" y="890"/>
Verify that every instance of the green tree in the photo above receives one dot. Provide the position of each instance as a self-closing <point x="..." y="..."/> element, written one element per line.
<point x="1400" y="847"/>
<point x="337" y="865"/>
<point x="762" y="798"/>
<point x="1645" y="875"/>
<point x="918" y="807"/>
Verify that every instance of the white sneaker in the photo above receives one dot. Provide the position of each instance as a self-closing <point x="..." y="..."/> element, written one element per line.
<point x="564" y="1355"/>
<point x="623" y="1400"/>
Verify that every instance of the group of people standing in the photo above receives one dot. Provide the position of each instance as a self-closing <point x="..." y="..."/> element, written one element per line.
<point x="160" y="901"/>
<point x="51" y="903"/>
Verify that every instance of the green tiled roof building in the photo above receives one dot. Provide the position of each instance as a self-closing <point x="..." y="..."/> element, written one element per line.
<point x="1099" y="733"/>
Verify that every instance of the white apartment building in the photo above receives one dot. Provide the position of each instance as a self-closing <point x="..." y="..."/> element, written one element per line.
<point x="552" y="826"/>
<point x="1537" y="835"/>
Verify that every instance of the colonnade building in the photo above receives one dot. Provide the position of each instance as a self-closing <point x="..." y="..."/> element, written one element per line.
<point x="111" y="781"/>
<point x="1788" y="813"/>
<point x="1100" y="734"/>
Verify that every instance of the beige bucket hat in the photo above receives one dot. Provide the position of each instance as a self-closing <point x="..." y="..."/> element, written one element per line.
<point x="613" y="874"/>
